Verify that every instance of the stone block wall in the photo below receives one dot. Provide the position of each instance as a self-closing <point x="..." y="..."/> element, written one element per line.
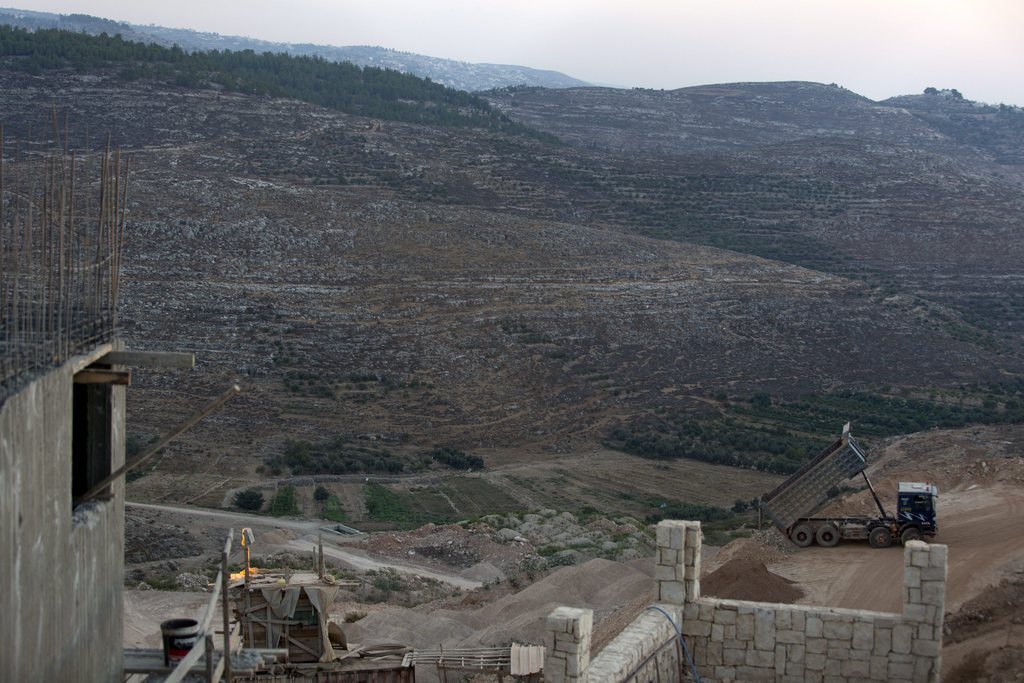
<point x="734" y="640"/>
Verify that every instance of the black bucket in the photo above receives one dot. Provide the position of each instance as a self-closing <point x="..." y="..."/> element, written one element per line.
<point x="179" y="637"/>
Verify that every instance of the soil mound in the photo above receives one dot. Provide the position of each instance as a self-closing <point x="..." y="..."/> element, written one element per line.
<point x="749" y="579"/>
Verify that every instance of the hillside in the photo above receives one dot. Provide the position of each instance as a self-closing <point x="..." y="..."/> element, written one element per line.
<point x="382" y="287"/>
<point x="448" y="72"/>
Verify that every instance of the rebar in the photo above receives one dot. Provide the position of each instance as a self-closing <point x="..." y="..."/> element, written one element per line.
<point x="60" y="252"/>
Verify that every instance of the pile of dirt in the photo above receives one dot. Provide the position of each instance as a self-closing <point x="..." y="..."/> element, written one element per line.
<point x="747" y="550"/>
<point x="601" y="585"/>
<point x="749" y="579"/>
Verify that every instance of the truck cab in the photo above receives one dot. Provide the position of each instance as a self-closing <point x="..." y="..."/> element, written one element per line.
<point x="915" y="509"/>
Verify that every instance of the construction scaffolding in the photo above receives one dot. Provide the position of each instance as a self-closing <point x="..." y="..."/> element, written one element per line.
<point x="62" y="219"/>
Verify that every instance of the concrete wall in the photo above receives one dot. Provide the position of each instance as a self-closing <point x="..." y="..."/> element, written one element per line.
<point x="60" y="577"/>
<point x="734" y="640"/>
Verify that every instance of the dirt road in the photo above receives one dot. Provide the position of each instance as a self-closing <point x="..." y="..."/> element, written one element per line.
<point x="983" y="527"/>
<point x="307" y="541"/>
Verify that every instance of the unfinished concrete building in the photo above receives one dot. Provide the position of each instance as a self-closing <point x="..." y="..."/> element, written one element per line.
<point x="62" y="416"/>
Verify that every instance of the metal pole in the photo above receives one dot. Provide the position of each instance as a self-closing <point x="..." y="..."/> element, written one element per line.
<point x="224" y="577"/>
<point x="178" y="431"/>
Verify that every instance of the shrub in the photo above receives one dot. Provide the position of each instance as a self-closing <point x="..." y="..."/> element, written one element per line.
<point x="250" y="499"/>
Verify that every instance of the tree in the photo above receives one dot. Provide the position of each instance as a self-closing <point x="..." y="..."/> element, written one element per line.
<point x="321" y="494"/>
<point x="283" y="503"/>
<point x="250" y="499"/>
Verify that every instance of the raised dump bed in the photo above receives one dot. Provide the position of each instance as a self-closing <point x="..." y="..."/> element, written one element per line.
<point x="807" y="490"/>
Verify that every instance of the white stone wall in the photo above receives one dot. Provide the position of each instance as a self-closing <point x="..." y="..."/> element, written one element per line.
<point x="734" y="640"/>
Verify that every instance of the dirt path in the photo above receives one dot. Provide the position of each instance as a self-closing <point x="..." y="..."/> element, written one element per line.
<point x="357" y="559"/>
<point x="983" y="527"/>
<point x="362" y="562"/>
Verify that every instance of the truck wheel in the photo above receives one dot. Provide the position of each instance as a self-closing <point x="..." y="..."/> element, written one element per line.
<point x="911" y="533"/>
<point x="802" y="535"/>
<point x="827" y="536"/>
<point x="880" y="537"/>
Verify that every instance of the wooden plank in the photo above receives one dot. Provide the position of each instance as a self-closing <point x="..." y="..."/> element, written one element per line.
<point x="151" y="359"/>
<point x="104" y="376"/>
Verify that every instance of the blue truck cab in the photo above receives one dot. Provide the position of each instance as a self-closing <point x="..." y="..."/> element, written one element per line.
<point x="915" y="509"/>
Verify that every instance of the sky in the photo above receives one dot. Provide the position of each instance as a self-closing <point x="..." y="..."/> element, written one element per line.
<point x="877" y="48"/>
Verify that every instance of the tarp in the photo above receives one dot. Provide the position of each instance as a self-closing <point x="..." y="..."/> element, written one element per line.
<point x="284" y="601"/>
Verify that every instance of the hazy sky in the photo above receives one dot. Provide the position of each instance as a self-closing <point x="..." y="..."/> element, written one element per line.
<point x="877" y="48"/>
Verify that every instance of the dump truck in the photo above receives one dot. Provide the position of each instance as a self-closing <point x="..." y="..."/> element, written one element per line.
<point x="792" y="504"/>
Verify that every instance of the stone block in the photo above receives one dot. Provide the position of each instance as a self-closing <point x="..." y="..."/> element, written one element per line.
<point x="691" y="611"/>
<point x="838" y="630"/>
<point x="937" y="555"/>
<point x="925" y="632"/>
<point x="733" y="656"/>
<point x="920" y="558"/>
<point x="665" y="573"/>
<point x="926" y="648"/>
<point x="764" y="629"/>
<point x="838" y="651"/>
<point x="723" y="615"/>
<point x="883" y="641"/>
<point x="898" y="670"/>
<point x="693" y="536"/>
<point x="706" y="610"/>
<point x="852" y="668"/>
<point x="832" y="668"/>
<point x="567" y="646"/>
<point x="663" y="534"/>
<point x="789" y="636"/>
<point x="815" y="662"/>
<point x="745" y="626"/>
<point x="783" y="619"/>
<point x="725" y="673"/>
<point x="692" y="589"/>
<point x="915" y="612"/>
<point x="863" y="636"/>
<point x="669" y="557"/>
<point x="814" y="627"/>
<point x="780" y="660"/>
<point x="671" y="592"/>
<point x="699" y="628"/>
<point x="761" y="659"/>
<point x="933" y="592"/>
<point x="730" y="631"/>
<point x="816" y="645"/>
<point x="912" y="577"/>
<point x="717" y="633"/>
<point x="799" y="620"/>
<point x="714" y="653"/>
<point x="933" y="573"/>
<point x="751" y="673"/>
<point x="879" y="666"/>
<point x="923" y="668"/>
<point x="912" y="595"/>
<point x="902" y="637"/>
<point x="795" y="654"/>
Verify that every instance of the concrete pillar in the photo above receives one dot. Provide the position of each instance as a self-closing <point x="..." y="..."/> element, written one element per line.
<point x="677" y="573"/>
<point x="924" y="606"/>
<point x="567" y="645"/>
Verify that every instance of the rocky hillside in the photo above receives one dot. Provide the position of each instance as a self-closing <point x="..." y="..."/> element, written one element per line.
<point x="425" y="286"/>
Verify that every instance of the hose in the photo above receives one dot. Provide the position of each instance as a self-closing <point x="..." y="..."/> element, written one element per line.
<point x="679" y="633"/>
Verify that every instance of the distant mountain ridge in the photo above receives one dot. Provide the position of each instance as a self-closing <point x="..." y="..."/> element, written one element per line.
<point x="449" y="72"/>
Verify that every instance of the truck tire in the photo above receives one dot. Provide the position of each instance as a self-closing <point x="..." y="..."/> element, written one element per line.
<point x="827" y="536"/>
<point x="802" y="535"/>
<point x="911" y="533"/>
<point x="880" y="537"/>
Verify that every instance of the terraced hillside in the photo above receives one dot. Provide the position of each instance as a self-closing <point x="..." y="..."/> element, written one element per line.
<point x="406" y="286"/>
